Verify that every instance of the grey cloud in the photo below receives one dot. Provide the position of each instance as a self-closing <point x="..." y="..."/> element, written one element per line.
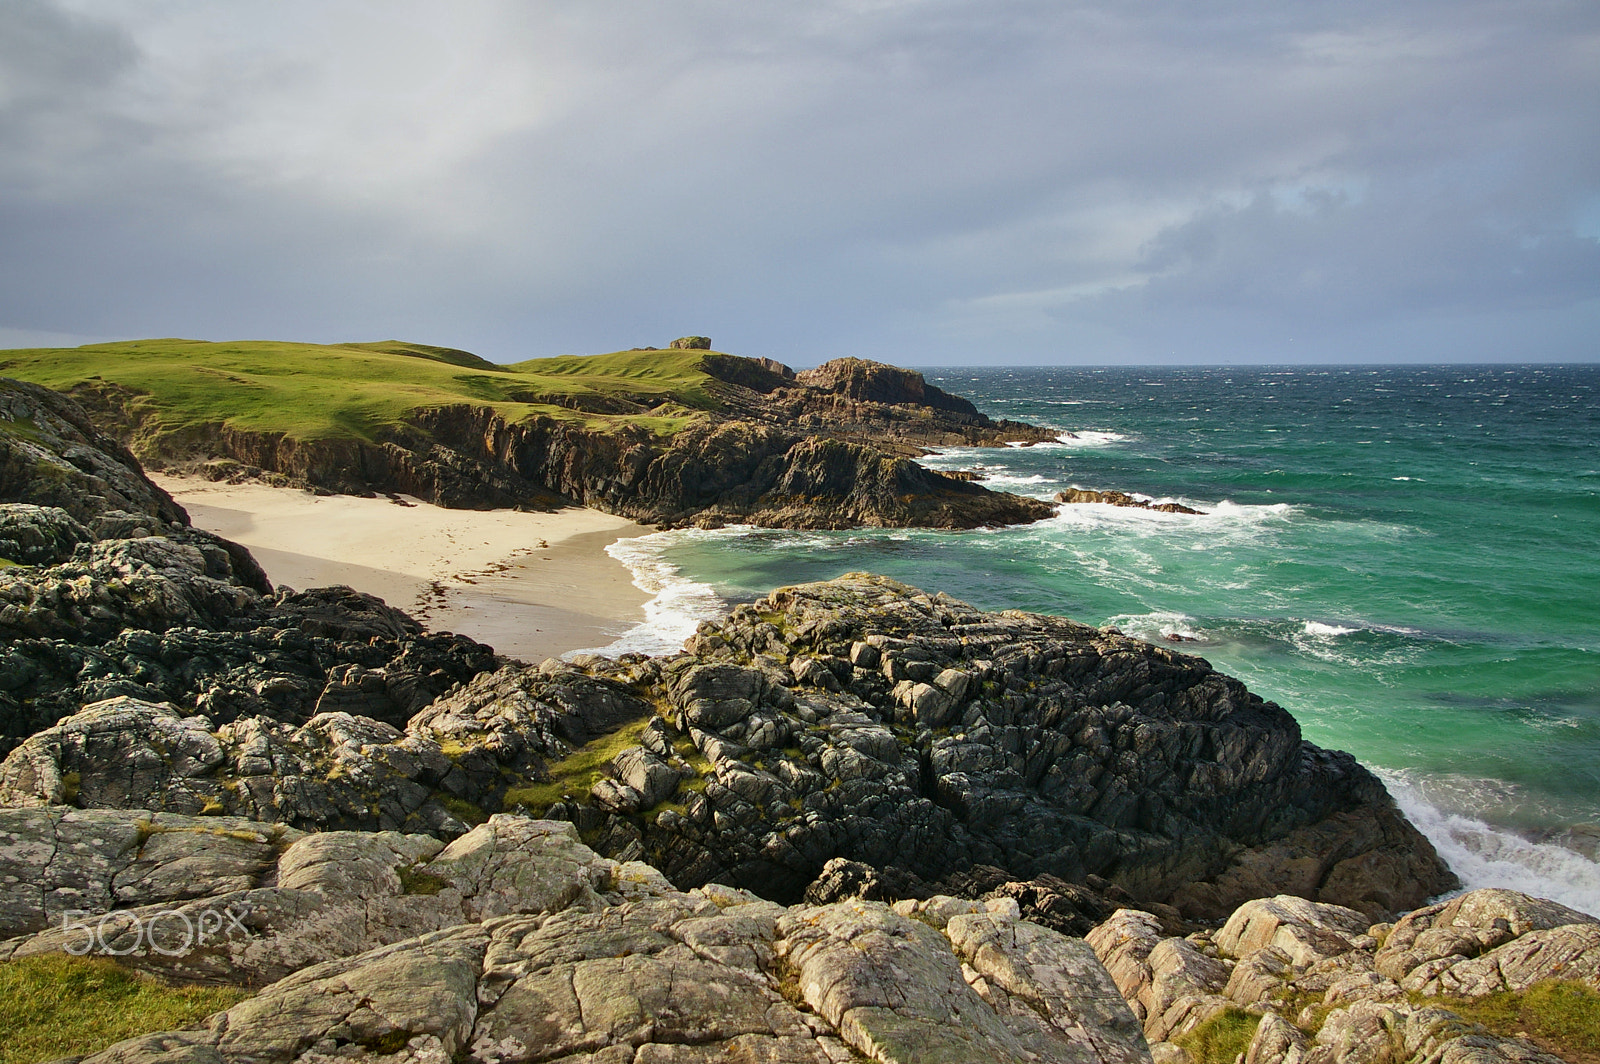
<point x="916" y="181"/>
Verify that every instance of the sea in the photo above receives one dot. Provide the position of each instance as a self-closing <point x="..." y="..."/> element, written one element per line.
<point x="1405" y="558"/>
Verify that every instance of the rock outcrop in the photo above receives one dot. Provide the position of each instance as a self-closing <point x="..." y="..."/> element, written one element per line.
<point x="518" y="943"/>
<point x="459" y="755"/>
<point x="52" y="455"/>
<point x="164" y="620"/>
<point x="863" y="719"/>
<point x="1333" y="988"/>
<point x="113" y="593"/>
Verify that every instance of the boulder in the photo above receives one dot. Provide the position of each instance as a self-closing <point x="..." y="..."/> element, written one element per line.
<point x="865" y="720"/>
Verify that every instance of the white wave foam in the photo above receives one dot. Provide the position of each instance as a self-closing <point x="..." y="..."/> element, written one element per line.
<point x="1485" y="856"/>
<point x="1090" y="438"/>
<point x="1075" y="439"/>
<point x="1156" y="627"/>
<point x="677" y="604"/>
<point x="1215" y="519"/>
<point x="1327" y="631"/>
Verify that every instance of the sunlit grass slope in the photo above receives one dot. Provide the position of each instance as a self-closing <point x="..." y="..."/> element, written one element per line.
<point x="316" y="391"/>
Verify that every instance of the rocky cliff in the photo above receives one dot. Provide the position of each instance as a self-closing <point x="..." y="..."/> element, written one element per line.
<point x="832" y="447"/>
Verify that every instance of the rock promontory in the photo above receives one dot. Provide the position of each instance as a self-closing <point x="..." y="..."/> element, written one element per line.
<point x="685" y="436"/>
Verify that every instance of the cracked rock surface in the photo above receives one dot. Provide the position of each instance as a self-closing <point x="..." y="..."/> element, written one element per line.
<point x="528" y="946"/>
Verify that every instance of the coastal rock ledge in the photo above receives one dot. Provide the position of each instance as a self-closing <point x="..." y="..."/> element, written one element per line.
<point x="947" y="749"/>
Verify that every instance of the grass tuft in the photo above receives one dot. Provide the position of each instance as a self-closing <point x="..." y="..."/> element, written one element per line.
<point x="1222" y="1038"/>
<point x="414" y="880"/>
<point x="1557" y="1015"/>
<point x="58" y="1006"/>
<point x="576" y="773"/>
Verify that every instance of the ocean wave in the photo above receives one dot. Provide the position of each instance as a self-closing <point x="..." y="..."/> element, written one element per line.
<point x="1215" y="518"/>
<point x="1157" y="626"/>
<point x="1486" y="856"/>
<point x="1327" y="631"/>
<point x="1076" y="439"/>
<point x="677" y="604"/>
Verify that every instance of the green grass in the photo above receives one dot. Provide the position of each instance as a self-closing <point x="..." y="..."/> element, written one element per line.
<point x="577" y="773"/>
<point x="1222" y="1038"/>
<point x="462" y="809"/>
<point x="20" y="426"/>
<point x="1559" y="1016"/>
<point x="58" y="1006"/>
<point x="351" y="391"/>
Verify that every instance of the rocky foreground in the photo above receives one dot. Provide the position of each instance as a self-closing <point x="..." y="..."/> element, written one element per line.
<point x="516" y="942"/>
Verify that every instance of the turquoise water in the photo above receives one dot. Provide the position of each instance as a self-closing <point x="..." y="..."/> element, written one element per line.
<point x="1408" y="559"/>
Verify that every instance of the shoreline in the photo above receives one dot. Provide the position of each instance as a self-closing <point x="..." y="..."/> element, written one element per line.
<point x="531" y="585"/>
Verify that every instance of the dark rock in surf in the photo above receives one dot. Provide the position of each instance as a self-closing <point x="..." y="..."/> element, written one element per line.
<point x="1076" y="496"/>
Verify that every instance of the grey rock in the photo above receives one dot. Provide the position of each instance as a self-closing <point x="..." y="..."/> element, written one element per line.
<point x="1305" y="931"/>
<point x="1276" y="1041"/>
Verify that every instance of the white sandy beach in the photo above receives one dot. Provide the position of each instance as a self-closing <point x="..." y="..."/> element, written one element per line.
<point x="531" y="585"/>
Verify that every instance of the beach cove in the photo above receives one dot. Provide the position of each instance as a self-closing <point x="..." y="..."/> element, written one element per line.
<point x="533" y="585"/>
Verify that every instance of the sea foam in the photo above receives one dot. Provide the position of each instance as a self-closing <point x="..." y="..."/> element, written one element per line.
<point x="677" y="604"/>
<point x="1486" y="856"/>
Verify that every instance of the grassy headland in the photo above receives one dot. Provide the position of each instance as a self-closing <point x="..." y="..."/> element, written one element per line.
<point x="351" y="391"/>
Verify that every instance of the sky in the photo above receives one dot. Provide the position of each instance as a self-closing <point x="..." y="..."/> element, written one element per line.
<point x="925" y="182"/>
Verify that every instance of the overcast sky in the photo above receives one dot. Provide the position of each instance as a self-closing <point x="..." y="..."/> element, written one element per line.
<point x="919" y="181"/>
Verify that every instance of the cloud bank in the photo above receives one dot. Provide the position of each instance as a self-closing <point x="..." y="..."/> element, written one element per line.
<point x="923" y="181"/>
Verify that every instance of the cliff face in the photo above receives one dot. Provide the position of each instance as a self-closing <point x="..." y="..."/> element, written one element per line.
<point x="832" y="447"/>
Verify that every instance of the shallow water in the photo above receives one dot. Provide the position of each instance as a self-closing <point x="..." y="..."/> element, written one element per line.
<point x="1408" y="559"/>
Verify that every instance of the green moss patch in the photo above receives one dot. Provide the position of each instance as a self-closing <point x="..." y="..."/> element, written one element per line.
<point x="415" y="880"/>
<point x="577" y="773"/>
<point x="1559" y="1016"/>
<point x="1222" y="1038"/>
<point x="59" y="1006"/>
<point x="462" y="809"/>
